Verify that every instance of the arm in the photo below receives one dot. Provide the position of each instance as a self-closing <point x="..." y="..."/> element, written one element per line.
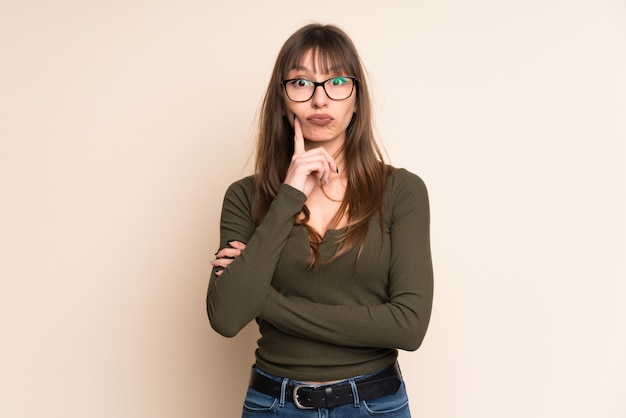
<point x="238" y="295"/>
<point x="403" y="320"/>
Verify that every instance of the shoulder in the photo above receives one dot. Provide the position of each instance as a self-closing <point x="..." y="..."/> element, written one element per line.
<point x="401" y="180"/>
<point x="241" y="191"/>
<point x="245" y="184"/>
<point x="405" y="193"/>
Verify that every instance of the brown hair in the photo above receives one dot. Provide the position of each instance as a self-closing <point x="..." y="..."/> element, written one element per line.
<point x="362" y="157"/>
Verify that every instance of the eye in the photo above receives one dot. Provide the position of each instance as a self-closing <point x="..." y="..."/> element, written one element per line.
<point x="338" y="81"/>
<point x="301" y="83"/>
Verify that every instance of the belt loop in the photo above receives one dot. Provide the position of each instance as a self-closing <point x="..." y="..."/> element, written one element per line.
<point x="355" y="393"/>
<point x="283" y="388"/>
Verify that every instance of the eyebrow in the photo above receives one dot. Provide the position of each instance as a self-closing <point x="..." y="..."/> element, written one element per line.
<point x="333" y="69"/>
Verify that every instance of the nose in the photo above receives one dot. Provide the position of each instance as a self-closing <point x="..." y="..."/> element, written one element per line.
<point x="319" y="99"/>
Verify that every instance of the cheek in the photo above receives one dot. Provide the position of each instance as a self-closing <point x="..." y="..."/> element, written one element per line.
<point x="350" y="112"/>
<point x="289" y="110"/>
<point x="286" y="105"/>
<point x="344" y="122"/>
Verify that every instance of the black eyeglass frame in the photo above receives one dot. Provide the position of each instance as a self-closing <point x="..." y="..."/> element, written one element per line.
<point x="317" y="84"/>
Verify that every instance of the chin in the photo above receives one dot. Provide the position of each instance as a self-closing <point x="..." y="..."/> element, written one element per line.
<point x="320" y="136"/>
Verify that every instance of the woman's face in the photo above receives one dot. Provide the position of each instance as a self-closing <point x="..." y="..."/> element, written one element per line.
<point x="324" y="121"/>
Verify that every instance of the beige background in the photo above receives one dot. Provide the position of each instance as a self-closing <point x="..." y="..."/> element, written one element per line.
<point x="122" y="123"/>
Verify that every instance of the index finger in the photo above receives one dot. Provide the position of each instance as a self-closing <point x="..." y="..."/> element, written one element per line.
<point x="298" y="139"/>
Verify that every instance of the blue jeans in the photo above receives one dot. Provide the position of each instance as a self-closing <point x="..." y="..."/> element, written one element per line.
<point x="260" y="405"/>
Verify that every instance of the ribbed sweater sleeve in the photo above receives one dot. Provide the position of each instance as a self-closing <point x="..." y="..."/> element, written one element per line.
<point x="239" y="294"/>
<point x="402" y="321"/>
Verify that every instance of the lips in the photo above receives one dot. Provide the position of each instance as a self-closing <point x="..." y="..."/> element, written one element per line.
<point x="320" y="119"/>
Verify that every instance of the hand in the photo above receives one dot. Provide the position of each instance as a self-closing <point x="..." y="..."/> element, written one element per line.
<point x="308" y="168"/>
<point x="226" y="255"/>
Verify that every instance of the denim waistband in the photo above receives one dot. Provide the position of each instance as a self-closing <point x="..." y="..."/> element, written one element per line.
<point x="307" y="396"/>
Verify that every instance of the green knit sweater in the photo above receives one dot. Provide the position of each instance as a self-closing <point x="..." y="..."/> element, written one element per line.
<point x="342" y="319"/>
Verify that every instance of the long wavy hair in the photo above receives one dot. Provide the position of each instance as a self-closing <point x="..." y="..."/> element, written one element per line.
<point x="364" y="162"/>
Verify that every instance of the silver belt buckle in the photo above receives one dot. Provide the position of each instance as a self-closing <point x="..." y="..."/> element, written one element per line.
<point x="296" y="401"/>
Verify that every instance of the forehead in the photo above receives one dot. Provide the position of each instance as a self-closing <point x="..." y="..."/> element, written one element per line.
<point x="318" y="61"/>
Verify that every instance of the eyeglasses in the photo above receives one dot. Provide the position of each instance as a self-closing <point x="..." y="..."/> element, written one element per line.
<point x="302" y="90"/>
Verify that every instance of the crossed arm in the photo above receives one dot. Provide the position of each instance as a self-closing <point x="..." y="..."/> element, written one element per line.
<point x="243" y="290"/>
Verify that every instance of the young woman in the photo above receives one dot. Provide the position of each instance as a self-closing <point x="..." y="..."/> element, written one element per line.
<point x="325" y="246"/>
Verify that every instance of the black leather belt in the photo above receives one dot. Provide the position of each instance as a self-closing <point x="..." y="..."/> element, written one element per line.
<point x="305" y="396"/>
